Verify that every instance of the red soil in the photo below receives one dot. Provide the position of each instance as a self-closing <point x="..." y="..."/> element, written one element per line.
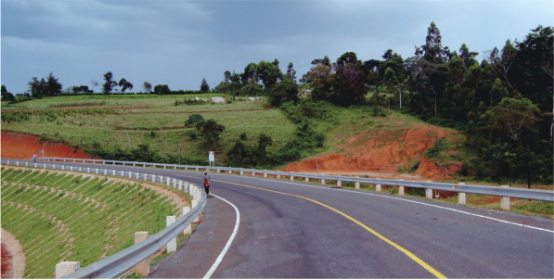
<point x="383" y="153"/>
<point x="7" y="263"/>
<point x="22" y="146"/>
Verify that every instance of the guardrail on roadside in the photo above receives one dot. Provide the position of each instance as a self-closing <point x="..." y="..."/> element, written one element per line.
<point x="119" y="263"/>
<point x="461" y="188"/>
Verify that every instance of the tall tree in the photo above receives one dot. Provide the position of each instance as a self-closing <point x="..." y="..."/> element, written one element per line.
<point x="108" y="84"/>
<point x="204" y="87"/>
<point x="124" y="84"/>
<point x="147" y="87"/>
<point x="350" y="80"/>
<point x="291" y="73"/>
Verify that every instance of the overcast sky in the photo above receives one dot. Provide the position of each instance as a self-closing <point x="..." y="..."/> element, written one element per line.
<point x="180" y="42"/>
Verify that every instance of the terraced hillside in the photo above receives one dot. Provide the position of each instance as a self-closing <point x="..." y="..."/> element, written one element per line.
<point x="67" y="216"/>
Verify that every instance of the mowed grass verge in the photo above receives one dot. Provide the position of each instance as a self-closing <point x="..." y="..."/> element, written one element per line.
<point x="128" y="121"/>
<point x="60" y="216"/>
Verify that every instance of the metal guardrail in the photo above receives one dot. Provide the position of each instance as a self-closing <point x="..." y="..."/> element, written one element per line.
<point x="533" y="194"/>
<point x="119" y="263"/>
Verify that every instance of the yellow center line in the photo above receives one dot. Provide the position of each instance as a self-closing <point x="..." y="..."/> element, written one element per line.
<point x="390" y="242"/>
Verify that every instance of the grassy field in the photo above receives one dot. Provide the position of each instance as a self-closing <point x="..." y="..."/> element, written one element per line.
<point x="129" y="120"/>
<point x="62" y="216"/>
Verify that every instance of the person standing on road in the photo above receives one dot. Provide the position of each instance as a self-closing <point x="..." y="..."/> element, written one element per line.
<point x="207" y="183"/>
<point x="34" y="158"/>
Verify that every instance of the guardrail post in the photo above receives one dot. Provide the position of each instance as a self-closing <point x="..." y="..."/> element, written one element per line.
<point x="113" y="172"/>
<point x="323" y="181"/>
<point x="172" y="244"/>
<point x="66" y="268"/>
<point x="339" y="184"/>
<point x="153" y="178"/>
<point x="80" y="169"/>
<point x="278" y="176"/>
<point x="27" y="164"/>
<point x="292" y="178"/>
<point x="505" y="201"/>
<point x="193" y="204"/>
<point x="196" y="168"/>
<point x="165" y="165"/>
<point x="180" y="185"/>
<point x="143" y="267"/>
<point x="429" y="193"/>
<point x="188" y="228"/>
<point x="401" y="188"/>
<point x="88" y="170"/>
<point x="218" y="170"/>
<point x="357" y="185"/>
<point x="71" y="168"/>
<point x="63" y="167"/>
<point x="230" y="171"/>
<point x="378" y="186"/>
<point x="241" y="171"/>
<point x="307" y="179"/>
<point x="130" y="174"/>
<point x="144" y="165"/>
<point x="461" y="196"/>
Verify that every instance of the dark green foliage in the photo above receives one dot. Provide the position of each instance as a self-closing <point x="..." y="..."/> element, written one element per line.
<point x="283" y="92"/>
<point x="194" y="119"/>
<point x="211" y="131"/>
<point x="204" y="87"/>
<point x="6" y="95"/>
<point x="43" y="88"/>
<point x="162" y="89"/>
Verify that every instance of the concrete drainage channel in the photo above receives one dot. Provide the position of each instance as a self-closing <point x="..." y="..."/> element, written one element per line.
<point x="138" y="255"/>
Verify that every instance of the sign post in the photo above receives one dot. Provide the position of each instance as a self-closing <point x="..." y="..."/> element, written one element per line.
<point x="211" y="157"/>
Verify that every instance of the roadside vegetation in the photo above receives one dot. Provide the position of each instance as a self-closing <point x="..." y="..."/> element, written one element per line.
<point x="60" y="216"/>
<point x="501" y="108"/>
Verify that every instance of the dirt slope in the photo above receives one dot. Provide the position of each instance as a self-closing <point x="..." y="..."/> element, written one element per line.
<point x="22" y="146"/>
<point x="381" y="153"/>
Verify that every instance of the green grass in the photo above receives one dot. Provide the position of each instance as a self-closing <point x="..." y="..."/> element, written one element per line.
<point x="78" y="218"/>
<point x="130" y="119"/>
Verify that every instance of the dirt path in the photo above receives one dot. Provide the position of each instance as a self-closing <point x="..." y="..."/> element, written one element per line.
<point x="15" y="256"/>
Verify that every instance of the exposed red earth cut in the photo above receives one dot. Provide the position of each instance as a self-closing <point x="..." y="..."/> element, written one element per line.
<point x="381" y="154"/>
<point x="17" y="145"/>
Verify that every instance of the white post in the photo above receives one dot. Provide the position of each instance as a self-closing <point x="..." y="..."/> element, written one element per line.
<point x="357" y="185"/>
<point x="172" y="244"/>
<point x="339" y="184"/>
<point x="71" y="168"/>
<point x="230" y="171"/>
<point x="143" y="267"/>
<point x="63" y="167"/>
<point x="401" y="188"/>
<point x="278" y="176"/>
<point x="505" y="201"/>
<point x="461" y="196"/>
<point x="241" y="172"/>
<point x="188" y="228"/>
<point x="180" y="187"/>
<point x="218" y="170"/>
<point x="88" y="169"/>
<point x="265" y="175"/>
<point x="378" y="186"/>
<point x="429" y="193"/>
<point x="66" y="268"/>
<point x="153" y="178"/>
<point x="307" y="179"/>
<point x="292" y="178"/>
<point x="130" y="174"/>
<point x="323" y="181"/>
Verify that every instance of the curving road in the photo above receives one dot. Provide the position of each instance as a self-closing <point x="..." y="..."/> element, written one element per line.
<point x="295" y="230"/>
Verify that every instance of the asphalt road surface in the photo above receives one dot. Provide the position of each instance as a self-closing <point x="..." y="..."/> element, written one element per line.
<point x="296" y="230"/>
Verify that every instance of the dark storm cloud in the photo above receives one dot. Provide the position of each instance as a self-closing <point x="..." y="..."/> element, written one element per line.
<point x="180" y="42"/>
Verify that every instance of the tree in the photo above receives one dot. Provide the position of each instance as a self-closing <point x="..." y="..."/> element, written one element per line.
<point x="48" y="87"/>
<point x="162" y="89"/>
<point x="6" y="95"/>
<point x="512" y="115"/>
<point x="268" y="73"/>
<point x="349" y="87"/>
<point x="284" y="91"/>
<point x="432" y="50"/>
<point x="94" y="84"/>
<point x="263" y="142"/>
<point x="227" y="77"/>
<point x="204" y="87"/>
<point x="291" y="73"/>
<point x="124" y="84"/>
<point x="503" y="63"/>
<point x="108" y="84"/>
<point x="147" y="87"/>
<point x="211" y="131"/>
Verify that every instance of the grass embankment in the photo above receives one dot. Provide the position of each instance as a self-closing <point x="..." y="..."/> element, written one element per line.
<point x="63" y="216"/>
<point x="125" y="121"/>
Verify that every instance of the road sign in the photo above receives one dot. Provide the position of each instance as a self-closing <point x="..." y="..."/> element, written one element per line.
<point x="211" y="156"/>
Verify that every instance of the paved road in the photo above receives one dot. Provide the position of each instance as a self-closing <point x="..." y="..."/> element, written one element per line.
<point x="292" y="230"/>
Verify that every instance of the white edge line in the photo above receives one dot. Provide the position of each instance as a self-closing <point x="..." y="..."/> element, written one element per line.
<point x="226" y="248"/>
<point x="417" y="202"/>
